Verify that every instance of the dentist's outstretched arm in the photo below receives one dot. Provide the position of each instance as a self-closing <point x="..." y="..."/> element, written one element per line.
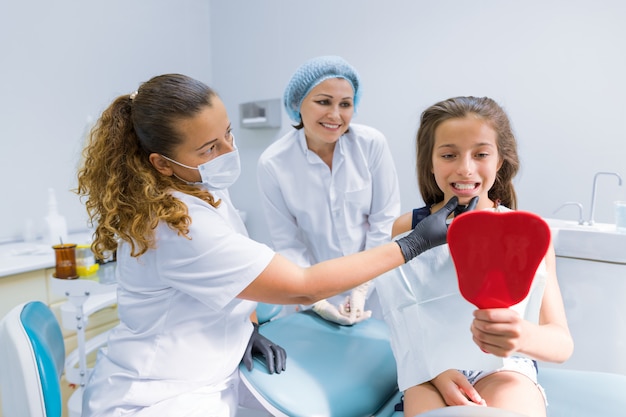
<point x="283" y="282"/>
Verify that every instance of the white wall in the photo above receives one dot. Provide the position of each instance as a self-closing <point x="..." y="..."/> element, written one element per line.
<point x="558" y="67"/>
<point x="61" y="63"/>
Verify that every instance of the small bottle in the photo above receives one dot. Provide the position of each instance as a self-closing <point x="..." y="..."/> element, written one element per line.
<point x="85" y="261"/>
<point x="56" y="226"/>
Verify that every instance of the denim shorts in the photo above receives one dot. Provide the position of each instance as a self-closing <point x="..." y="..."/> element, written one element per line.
<point x="522" y="365"/>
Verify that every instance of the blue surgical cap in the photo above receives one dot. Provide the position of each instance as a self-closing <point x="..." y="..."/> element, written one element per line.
<point x="313" y="72"/>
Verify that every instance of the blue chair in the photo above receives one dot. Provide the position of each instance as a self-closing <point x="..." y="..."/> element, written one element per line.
<point x="343" y="371"/>
<point x="574" y="393"/>
<point x="332" y="370"/>
<point x="32" y="358"/>
<point x="266" y="312"/>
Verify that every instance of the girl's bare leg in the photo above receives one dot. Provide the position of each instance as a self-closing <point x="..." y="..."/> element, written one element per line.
<point x="422" y="398"/>
<point x="512" y="391"/>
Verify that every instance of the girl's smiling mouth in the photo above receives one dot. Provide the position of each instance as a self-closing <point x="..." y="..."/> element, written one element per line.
<point x="465" y="186"/>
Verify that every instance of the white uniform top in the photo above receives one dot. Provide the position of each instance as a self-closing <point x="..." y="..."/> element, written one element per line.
<point x="429" y="319"/>
<point x="315" y="213"/>
<point x="181" y="326"/>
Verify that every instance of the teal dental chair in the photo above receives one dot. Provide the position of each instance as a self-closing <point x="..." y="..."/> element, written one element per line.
<point x="349" y="371"/>
<point x="332" y="370"/>
<point x="32" y="359"/>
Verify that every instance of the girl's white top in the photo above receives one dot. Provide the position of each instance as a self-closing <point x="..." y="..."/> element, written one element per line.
<point x="429" y="320"/>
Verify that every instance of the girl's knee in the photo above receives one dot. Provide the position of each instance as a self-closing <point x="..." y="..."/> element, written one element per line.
<point x="513" y="391"/>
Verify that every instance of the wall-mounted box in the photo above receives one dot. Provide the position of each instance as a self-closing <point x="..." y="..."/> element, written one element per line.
<point x="260" y="114"/>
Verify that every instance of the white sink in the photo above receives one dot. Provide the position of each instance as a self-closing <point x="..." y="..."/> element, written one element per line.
<point x="599" y="242"/>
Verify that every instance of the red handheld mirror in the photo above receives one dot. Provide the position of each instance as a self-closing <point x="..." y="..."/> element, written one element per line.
<point x="496" y="255"/>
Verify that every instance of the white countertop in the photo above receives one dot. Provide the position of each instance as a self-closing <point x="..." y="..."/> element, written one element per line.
<point x="19" y="257"/>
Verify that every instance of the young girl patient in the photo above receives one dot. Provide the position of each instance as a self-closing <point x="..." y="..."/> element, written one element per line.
<point x="447" y="352"/>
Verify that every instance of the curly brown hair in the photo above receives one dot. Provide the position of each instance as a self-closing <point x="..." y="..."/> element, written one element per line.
<point x="486" y="109"/>
<point x="125" y="196"/>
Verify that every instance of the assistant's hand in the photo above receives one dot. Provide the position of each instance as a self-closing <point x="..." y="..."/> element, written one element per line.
<point x="354" y="305"/>
<point x="498" y="331"/>
<point x="431" y="231"/>
<point x="275" y="356"/>
<point x="456" y="389"/>
<point x="329" y="312"/>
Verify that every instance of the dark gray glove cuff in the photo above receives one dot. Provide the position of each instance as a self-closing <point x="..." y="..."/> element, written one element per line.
<point x="410" y="246"/>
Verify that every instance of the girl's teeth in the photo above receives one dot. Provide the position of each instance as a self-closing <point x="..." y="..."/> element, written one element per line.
<point x="463" y="186"/>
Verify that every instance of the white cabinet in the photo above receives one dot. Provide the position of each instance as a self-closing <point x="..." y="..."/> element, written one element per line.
<point x="17" y="289"/>
<point x="593" y="295"/>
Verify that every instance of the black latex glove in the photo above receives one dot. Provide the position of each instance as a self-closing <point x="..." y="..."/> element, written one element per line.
<point x="275" y="356"/>
<point x="462" y="209"/>
<point x="431" y="231"/>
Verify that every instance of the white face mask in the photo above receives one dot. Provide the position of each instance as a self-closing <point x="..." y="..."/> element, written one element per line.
<point x="218" y="173"/>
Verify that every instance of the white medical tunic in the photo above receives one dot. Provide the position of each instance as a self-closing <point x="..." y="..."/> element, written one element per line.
<point x="182" y="331"/>
<point x="429" y="320"/>
<point x="315" y="213"/>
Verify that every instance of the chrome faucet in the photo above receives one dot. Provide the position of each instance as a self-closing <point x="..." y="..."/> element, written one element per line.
<point x="593" y="192"/>
<point x="573" y="203"/>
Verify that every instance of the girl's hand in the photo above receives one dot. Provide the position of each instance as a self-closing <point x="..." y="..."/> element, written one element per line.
<point x="456" y="389"/>
<point x="498" y="331"/>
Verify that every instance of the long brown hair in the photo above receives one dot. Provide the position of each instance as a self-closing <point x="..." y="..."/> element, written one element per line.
<point x="458" y="107"/>
<point x="125" y="196"/>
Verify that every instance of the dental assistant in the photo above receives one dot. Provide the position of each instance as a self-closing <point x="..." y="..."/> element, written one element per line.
<point x="328" y="187"/>
<point x="154" y="178"/>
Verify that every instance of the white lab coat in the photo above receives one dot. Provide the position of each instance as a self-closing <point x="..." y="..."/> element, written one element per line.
<point x="182" y="331"/>
<point x="429" y="320"/>
<point x="315" y="214"/>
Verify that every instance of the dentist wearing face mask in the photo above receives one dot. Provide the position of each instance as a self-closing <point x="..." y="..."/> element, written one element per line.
<point x="154" y="179"/>
<point x="329" y="187"/>
<point x="217" y="175"/>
